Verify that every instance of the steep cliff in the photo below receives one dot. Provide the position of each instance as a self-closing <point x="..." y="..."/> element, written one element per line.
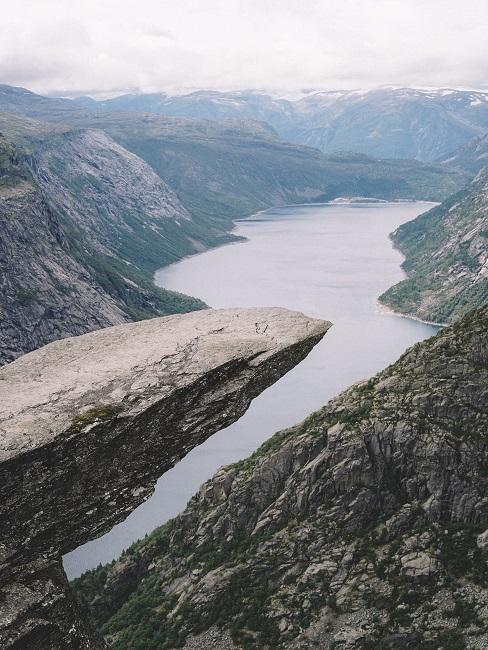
<point x="363" y="528"/>
<point x="46" y="294"/>
<point x="83" y="225"/>
<point x="446" y="252"/>
<point x="88" y="425"/>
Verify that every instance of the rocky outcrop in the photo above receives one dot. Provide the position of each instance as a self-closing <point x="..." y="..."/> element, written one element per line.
<point x="446" y="252"/>
<point x="87" y="426"/>
<point x="45" y="293"/>
<point x="363" y="528"/>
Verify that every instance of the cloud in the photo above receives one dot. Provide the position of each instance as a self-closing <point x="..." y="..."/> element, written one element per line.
<point x="94" y="46"/>
<point x="157" y="32"/>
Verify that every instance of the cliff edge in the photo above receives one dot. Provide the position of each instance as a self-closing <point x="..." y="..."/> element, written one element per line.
<point x="88" y="424"/>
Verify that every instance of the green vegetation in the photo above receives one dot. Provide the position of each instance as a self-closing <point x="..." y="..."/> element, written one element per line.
<point x="95" y="414"/>
<point x="444" y="250"/>
<point x="12" y="171"/>
<point x="127" y="275"/>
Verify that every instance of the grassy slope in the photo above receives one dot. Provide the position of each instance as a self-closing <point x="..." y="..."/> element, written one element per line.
<point x="446" y="250"/>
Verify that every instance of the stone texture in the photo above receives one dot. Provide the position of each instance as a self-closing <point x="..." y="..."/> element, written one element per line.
<point x="89" y="423"/>
<point x="362" y="528"/>
<point x="45" y="294"/>
<point x="83" y="224"/>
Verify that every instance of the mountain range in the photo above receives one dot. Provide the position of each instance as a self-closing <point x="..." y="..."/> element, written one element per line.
<point x="102" y="199"/>
<point x="365" y="527"/>
<point x="383" y="123"/>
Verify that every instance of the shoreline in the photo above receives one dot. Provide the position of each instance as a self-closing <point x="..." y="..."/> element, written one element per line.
<point x="126" y="534"/>
<point x="240" y="239"/>
<point x="388" y="311"/>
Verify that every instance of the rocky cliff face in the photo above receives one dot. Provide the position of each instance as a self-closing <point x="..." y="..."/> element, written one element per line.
<point x="115" y="200"/>
<point x="446" y="252"/>
<point x="365" y="527"/>
<point x="88" y="424"/>
<point x="83" y="225"/>
<point x="46" y="294"/>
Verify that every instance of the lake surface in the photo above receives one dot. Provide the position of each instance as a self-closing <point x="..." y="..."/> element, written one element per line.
<point x="330" y="261"/>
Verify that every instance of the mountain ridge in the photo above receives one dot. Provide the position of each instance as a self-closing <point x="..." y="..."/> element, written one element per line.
<point x="385" y="122"/>
<point x="177" y="148"/>
<point x="75" y="278"/>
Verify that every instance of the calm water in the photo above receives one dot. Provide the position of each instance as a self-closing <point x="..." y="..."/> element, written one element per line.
<point x="331" y="261"/>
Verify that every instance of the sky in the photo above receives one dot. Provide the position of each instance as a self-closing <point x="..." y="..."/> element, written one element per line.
<point x="108" y="47"/>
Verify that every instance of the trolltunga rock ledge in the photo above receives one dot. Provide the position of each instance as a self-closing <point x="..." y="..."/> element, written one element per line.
<point x="88" y="424"/>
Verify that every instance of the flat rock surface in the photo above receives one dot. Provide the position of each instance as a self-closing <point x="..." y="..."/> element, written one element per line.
<point x="126" y="368"/>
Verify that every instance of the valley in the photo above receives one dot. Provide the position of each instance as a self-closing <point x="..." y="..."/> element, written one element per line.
<point x="342" y="532"/>
<point x="333" y="261"/>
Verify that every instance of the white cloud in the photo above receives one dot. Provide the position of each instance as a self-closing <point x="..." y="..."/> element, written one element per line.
<point x="89" y="46"/>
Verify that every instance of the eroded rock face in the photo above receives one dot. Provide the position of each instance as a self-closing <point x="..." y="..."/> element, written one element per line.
<point x="83" y="224"/>
<point x="46" y="294"/>
<point x="88" y="424"/>
<point x="363" y="528"/>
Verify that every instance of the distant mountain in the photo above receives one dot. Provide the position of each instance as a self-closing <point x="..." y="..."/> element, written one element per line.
<point x="471" y="157"/>
<point x="446" y="252"/>
<point x="83" y="223"/>
<point x="110" y="197"/>
<point x="383" y="123"/>
<point x="211" y="105"/>
<point x="230" y="168"/>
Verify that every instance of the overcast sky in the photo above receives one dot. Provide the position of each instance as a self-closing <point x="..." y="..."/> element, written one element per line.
<point x="111" y="46"/>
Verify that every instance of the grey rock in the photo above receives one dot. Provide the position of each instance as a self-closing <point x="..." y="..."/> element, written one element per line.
<point x="482" y="540"/>
<point x="88" y="424"/>
<point x="78" y="233"/>
<point x="358" y="528"/>
<point x="419" y="565"/>
<point x="46" y="293"/>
